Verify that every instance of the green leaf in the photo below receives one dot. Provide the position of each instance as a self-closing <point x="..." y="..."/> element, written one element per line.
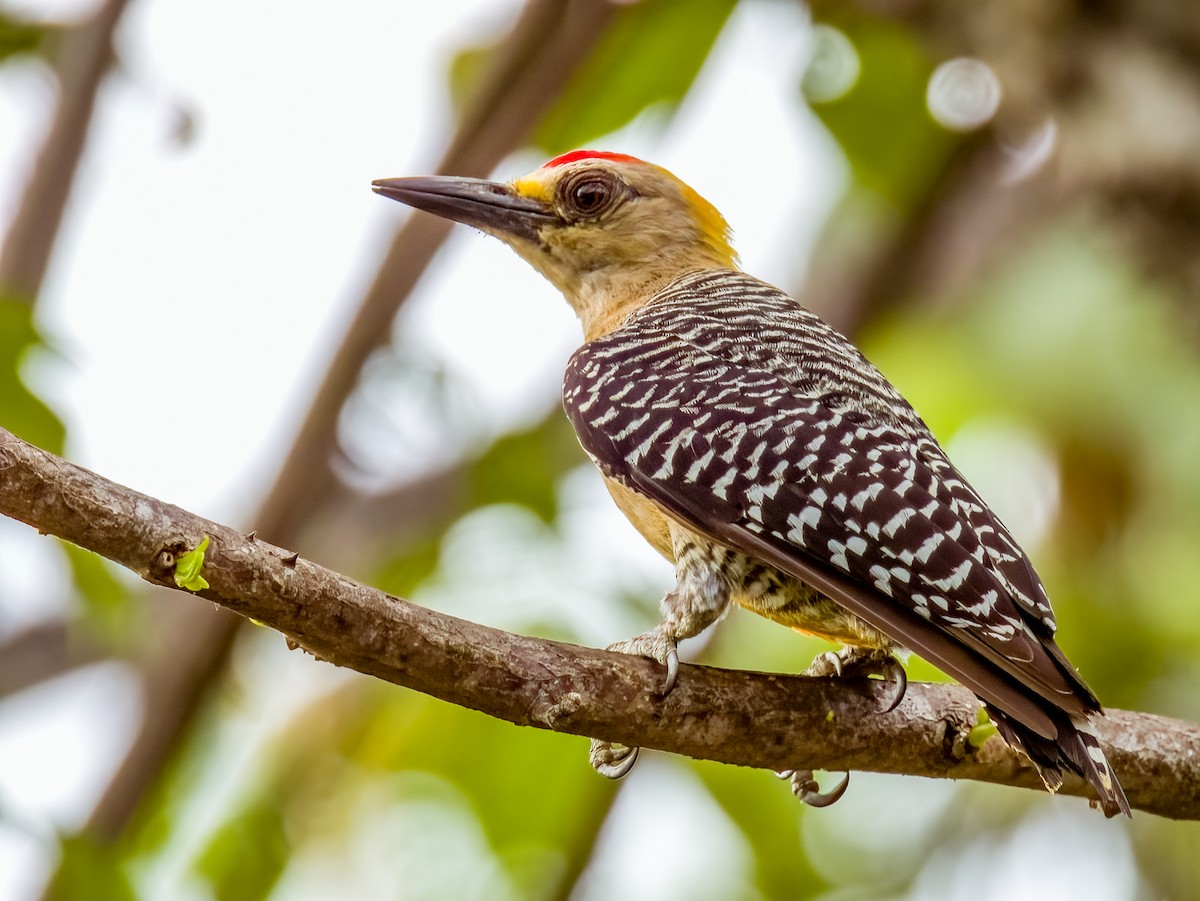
<point x="466" y="72"/>
<point x="650" y="56"/>
<point x="983" y="729"/>
<point x="188" y="566"/>
<point x="105" y="597"/>
<point x="247" y="854"/>
<point x="21" y="412"/>
<point x="19" y="36"/>
<point x="771" y="819"/>
<point x="89" y="872"/>
<point x="533" y="792"/>
<point x="415" y="563"/>
<point x="522" y="467"/>
<point x="892" y="144"/>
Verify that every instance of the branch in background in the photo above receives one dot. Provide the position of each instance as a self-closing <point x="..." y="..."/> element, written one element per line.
<point x="963" y="219"/>
<point x="1089" y="80"/>
<point x="358" y="529"/>
<point x="83" y="58"/>
<point x="192" y="644"/>
<point x="43" y="652"/>
<point x="548" y="42"/>
<point x="752" y="719"/>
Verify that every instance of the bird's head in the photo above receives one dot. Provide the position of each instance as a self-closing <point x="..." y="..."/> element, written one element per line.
<point x="605" y="228"/>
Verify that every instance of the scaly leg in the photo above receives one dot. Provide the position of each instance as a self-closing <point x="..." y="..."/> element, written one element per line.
<point x="701" y="596"/>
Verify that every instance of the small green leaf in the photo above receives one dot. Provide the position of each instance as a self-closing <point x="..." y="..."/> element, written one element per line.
<point x="981" y="731"/>
<point x="187" y="568"/>
<point x="829" y="717"/>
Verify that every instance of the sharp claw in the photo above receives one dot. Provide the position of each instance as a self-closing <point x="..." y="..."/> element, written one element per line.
<point x="855" y="662"/>
<point x="612" y="761"/>
<point x="823" y="799"/>
<point x="656" y="644"/>
<point x="672" y="671"/>
<point x="805" y="787"/>
<point x="620" y="770"/>
<point x="825" y="665"/>
<point x="830" y="660"/>
<point x="897" y="675"/>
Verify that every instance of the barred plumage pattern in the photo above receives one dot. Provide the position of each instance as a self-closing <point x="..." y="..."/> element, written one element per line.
<point x="757" y="426"/>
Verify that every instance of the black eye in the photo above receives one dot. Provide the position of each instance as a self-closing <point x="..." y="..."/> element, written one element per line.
<point x="591" y="193"/>
<point x="590" y="197"/>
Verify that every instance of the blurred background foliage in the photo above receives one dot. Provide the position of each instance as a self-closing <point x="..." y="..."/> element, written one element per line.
<point x="1015" y="248"/>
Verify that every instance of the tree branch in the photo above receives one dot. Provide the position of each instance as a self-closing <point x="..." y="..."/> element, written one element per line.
<point x="547" y="44"/>
<point x="83" y="58"/>
<point x="752" y="719"/>
<point x="42" y="652"/>
<point x="548" y="41"/>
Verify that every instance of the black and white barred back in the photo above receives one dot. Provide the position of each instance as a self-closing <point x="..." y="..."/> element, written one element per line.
<point x="751" y="421"/>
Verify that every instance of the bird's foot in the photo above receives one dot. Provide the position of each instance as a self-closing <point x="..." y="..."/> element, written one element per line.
<point x="611" y="760"/>
<point x="804" y="787"/>
<point x="826" y="665"/>
<point x="657" y="645"/>
<point x="853" y="661"/>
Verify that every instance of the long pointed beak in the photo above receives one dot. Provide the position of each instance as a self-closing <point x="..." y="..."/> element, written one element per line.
<point x="487" y="205"/>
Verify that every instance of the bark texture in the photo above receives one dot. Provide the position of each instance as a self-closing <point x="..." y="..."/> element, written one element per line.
<point x="752" y="719"/>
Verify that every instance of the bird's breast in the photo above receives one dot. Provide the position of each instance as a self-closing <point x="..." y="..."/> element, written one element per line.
<point x="646" y="517"/>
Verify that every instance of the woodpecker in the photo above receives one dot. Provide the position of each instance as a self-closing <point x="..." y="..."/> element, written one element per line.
<point x="759" y="451"/>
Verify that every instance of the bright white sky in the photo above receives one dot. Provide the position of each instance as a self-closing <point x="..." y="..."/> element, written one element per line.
<point x="222" y="271"/>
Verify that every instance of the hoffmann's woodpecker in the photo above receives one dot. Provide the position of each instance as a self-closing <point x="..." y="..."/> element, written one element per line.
<point x="760" y="452"/>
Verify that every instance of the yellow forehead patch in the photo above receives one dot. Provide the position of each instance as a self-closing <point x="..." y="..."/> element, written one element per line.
<point x="535" y="188"/>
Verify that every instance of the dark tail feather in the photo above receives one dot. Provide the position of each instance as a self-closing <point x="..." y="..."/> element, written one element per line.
<point x="1077" y="748"/>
